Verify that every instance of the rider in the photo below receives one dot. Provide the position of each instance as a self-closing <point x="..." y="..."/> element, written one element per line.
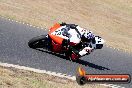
<point x="75" y="35"/>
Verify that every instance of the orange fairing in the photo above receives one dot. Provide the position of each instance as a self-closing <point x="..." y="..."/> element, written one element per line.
<point x="56" y="38"/>
<point x="52" y="29"/>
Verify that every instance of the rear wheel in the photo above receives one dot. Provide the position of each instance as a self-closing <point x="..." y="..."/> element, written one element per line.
<point x="38" y="42"/>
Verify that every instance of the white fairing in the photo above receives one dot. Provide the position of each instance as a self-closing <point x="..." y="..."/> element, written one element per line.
<point x="74" y="36"/>
<point x="81" y="30"/>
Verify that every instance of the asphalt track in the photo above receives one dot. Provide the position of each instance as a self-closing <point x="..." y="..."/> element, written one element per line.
<point x="14" y="50"/>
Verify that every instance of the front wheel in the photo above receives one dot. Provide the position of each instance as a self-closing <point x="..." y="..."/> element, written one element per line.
<point x="38" y="42"/>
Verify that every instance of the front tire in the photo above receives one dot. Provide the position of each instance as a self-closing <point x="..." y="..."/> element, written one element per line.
<point x="37" y="42"/>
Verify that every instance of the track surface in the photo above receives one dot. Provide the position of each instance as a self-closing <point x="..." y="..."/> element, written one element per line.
<point x="14" y="50"/>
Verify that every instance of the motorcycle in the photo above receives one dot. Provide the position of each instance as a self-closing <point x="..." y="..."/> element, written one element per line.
<point x="53" y="42"/>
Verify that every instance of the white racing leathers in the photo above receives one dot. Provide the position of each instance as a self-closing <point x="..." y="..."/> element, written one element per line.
<point x="75" y="37"/>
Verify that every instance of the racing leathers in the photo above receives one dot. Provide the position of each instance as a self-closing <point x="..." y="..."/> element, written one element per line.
<point x="76" y="39"/>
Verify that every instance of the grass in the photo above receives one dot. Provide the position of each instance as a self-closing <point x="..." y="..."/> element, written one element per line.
<point x="110" y="19"/>
<point x="14" y="78"/>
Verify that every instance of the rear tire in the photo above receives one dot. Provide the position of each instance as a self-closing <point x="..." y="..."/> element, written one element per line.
<point x="37" y="42"/>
